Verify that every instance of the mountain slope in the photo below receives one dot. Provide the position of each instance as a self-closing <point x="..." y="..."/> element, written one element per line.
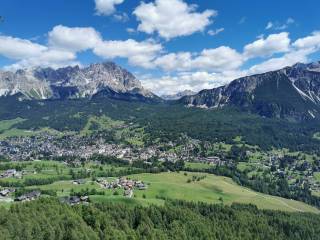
<point x="292" y="93"/>
<point x="72" y="82"/>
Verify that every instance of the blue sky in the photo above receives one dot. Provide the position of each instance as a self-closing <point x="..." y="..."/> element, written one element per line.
<point x="170" y="45"/>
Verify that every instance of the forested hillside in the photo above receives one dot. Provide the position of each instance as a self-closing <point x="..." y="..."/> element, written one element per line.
<point x="49" y="219"/>
<point x="164" y="121"/>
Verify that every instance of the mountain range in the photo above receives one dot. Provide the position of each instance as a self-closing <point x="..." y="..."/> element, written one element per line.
<point x="73" y="82"/>
<point x="291" y="93"/>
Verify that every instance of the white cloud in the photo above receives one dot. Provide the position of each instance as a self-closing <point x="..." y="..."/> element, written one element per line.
<point x="30" y="54"/>
<point x="49" y="58"/>
<point x="196" y="81"/>
<point x="274" y="43"/>
<point x="218" y="59"/>
<point x="73" y="39"/>
<point x="299" y="52"/>
<point x="16" y="48"/>
<point x="138" y="53"/>
<point x="312" y="41"/>
<point x="269" y="25"/>
<point x="171" y="18"/>
<point x="174" y="61"/>
<point x="121" y="17"/>
<point x="215" y="32"/>
<point x="277" y="63"/>
<point x="130" y="30"/>
<point x="280" y="26"/>
<point x="106" y="7"/>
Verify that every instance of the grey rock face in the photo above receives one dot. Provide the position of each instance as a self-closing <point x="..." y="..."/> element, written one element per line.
<point x="71" y="82"/>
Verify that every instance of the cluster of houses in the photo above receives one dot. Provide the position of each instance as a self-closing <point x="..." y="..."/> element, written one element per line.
<point x="126" y="184"/>
<point x="10" y="173"/>
<point x="28" y="196"/>
<point x="212" y="161"/>
<point x="75" y="200"/>
<point x="46" y="145"/>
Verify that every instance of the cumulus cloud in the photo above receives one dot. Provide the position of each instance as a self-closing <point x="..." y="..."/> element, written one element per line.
<point x="30" y="54"/>
<point x="218" y="59"/>
<point x="171" y="18"/>
<point x="65" y="42"/>
<point x="106" y="7"/>
<point x="277" y="63"/>
<point x="138" y="53"/>
<point x="300" y="50"/>
<point x="73" y="39"/>
<point x="312" y="41"/>
<point x="265" y="47"/>
<point x="224" y="58"/>
<point x="196" y="81"/>
<point x="174" y="61"/>
<point x="49" y="58"/>
<point x="16" y="48"/>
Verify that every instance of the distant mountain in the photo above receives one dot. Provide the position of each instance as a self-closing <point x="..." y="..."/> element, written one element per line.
<point x="102" y="79"/>
<point x="292" y="93"/>
<point x="178" y="95"/>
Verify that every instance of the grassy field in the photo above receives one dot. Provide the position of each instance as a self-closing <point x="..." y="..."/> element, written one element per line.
<point x="198" y="165"/>
<point x="211" y="190"/>
<point x="8" y="129"/>
<point x="7" y="124"/>
<point x="99" y="123"/>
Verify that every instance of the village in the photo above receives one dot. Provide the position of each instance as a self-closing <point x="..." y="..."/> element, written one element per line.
<point x="124" y="184"/>
<point x="127" y="185"/>
<point x="47" y="146"/>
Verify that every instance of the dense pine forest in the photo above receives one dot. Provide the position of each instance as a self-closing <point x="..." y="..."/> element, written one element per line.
<point x="49" y="219"/>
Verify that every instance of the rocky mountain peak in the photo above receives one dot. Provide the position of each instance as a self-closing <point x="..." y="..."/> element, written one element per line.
<point x="71" y="82"/>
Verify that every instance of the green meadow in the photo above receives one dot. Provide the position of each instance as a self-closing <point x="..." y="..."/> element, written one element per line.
<point x="212" y="189"/>
<point x="197" y="187"/>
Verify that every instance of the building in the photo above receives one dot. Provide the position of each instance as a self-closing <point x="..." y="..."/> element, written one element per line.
<point x="28" y="196"/>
